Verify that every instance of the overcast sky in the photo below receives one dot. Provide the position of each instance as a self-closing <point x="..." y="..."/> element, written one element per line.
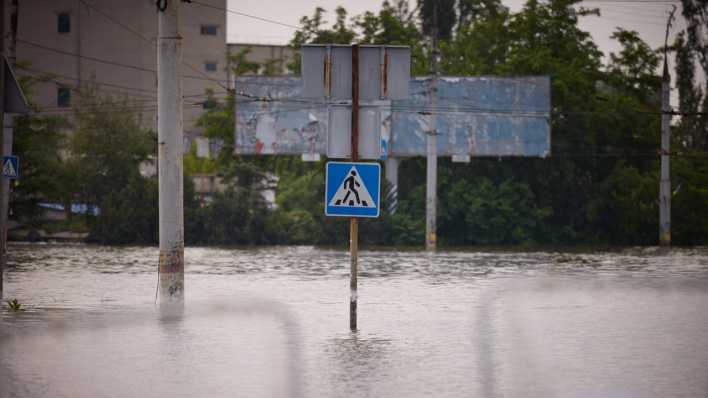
<point x="648" y="19"/>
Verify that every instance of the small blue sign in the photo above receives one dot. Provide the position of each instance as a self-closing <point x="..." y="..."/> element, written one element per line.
<point x="352" y="189"/>
<point x="11" y="167"/>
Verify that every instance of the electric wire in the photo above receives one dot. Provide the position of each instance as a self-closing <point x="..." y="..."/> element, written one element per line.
<point x="87" y="57"/>
<point x="422" y="110"/>
<point x="115" y="63"/>
<point x="624" y="20"/>
<point x="71" y="110"/>
<point x="243" y="14"/>
<point x="660" y="2"/>
<point x="456" y="109"/>
<point x="658" y="14"/>
<point x="147" y="40"/>
<point x="52" y="75"/>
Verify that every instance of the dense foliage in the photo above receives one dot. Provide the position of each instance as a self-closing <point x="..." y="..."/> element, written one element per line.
<point x="599" y="186"/>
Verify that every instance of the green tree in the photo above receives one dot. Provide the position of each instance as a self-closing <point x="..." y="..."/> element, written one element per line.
<point x="129" y="214"/>
<point x="107" y="146"/>
<point x="598" y="185"/>
<point x="634" y="68"/>
<point x="445" y="12"/>
<point x="480" y="47"/>
<point x="690" y="134"/>
<point x="625" y="209"/>
<point x="479" y="10"/>
<point x="298" y="217"/>
<point x="239" y="64"/>
<point x="46" y="176"/>
<point x="395" y="25"/>
<point x="312" y="32"/>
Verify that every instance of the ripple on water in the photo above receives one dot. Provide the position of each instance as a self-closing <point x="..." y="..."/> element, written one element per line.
<point x="272" y="321"/>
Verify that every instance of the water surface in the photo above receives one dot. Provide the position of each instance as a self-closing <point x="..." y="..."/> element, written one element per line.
<point x="273" y="322"/>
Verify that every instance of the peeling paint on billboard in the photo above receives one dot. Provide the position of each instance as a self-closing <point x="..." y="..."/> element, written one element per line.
<point x="476" y="116"/>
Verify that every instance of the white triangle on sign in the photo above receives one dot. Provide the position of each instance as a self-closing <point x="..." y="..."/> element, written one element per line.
<point x="352" y="192"/>
<point x="8" y="169"/>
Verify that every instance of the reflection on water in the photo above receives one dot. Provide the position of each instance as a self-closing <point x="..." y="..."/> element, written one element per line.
<point x="355" y="361"/>
<point x="273" y="322"/>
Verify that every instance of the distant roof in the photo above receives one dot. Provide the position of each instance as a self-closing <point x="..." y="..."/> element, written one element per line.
<point x="256" y="45"/>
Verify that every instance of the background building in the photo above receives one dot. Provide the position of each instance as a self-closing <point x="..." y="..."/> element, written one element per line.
<point x="278" y="56"/>
<point x="112" y="45"/>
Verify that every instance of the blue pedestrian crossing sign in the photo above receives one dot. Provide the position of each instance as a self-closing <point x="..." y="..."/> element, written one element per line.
<point x="11" y="167"/>
<point x="352" y="189"/>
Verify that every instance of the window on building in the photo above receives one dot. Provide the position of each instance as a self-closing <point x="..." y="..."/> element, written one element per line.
<point x="210" y="66"/>
<point x="63" y="22"/>
<point x="209" y="30"/>
<point x="63" y="97"/>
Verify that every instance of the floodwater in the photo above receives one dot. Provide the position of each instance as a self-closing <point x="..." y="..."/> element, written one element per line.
<point x="273" y="322"/>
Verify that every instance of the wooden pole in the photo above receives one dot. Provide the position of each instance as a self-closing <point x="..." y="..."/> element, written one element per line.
<point x="353" y="222"/>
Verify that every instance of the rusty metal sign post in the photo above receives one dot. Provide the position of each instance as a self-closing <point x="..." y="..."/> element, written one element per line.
<point x="378" y="75"/>
<point x="354" y="222"/>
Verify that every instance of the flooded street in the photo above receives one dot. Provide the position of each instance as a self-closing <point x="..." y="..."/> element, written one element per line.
<point x="273" y="322"/>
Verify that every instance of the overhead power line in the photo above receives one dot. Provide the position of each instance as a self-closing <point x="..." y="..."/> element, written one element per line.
<point x="142" y="95"/>
<point x="117" y="22"/>
<point x="137" y="108"/>
<point x="659" y="2"/>
<point x="113" y="63"/>
<point x="148" y="40"/>
<point x="628" y="10"/>
<point x="99" y="60"/>
<point x="51" y="75"/>
<point x="243" y="14"/>
<point x="631" y="20"/>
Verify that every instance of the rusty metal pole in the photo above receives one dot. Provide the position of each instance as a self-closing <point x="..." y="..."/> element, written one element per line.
<point x="169" y="130"/>
<point x="353" y="222"/>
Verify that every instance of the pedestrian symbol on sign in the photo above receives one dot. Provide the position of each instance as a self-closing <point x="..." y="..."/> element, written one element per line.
<point x="11" y="167"/>
<point x="352" y="189"/>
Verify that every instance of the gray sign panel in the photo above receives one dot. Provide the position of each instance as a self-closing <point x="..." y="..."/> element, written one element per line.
<point x="384" y="72"/>
<point x="313" y="62"/>
<point x="341" y="79"/>
<point x="370" y="62"/>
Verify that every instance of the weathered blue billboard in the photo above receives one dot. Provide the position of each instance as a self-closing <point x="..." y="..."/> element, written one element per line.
<point x="474" y="116"/>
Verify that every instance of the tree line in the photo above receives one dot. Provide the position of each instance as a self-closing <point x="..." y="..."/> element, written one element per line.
<point x="599" y="185"/>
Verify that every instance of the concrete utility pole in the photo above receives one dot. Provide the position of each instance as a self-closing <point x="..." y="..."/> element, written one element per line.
<point x="432" y="158"/>
<point x="13" y="32"/>
<point x="354" y="222"/>
<point x="665" y="182"/>
<point x="3" y="192"/>
<point x="169" y="145"/>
